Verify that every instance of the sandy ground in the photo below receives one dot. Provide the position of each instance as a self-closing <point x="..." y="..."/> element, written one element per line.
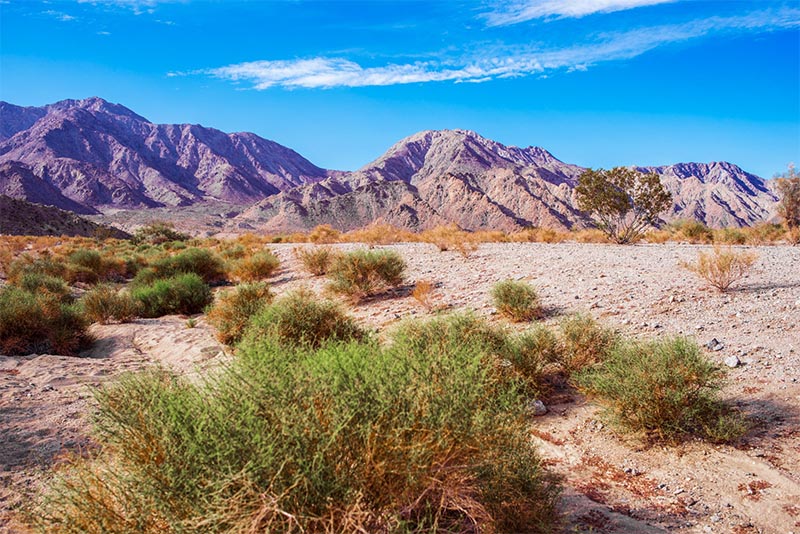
<point x="612" y="483"/>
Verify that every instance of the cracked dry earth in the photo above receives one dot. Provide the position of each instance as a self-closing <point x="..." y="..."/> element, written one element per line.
<point x="613" y="484"/>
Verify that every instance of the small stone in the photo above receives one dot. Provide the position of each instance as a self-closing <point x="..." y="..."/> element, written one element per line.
<point x="678" y="491"/>
<point x="537" y="408"/>
<point x="732" y="361"/>
<point x="715" y="518"/>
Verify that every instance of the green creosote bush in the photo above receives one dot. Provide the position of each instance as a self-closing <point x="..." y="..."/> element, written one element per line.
<point x="157" y="233"/>
<point x="39" y="283"/>
<point x="316" y="260"/>
<point x="201" y="262"/>
<point x="27" y="264"/>
<point x="233" y="310"/>
<point x="302" y="318"/>
<point x="664" y="389"/>
<point x="584" y="343"/>
<point x="363" y="273"/>
<point x="182" y="294"/>
<point x="349" y="437"/>
<point x="105" y="304"/>
<point x="40" y="323"/>
<point x="516" y="300"/>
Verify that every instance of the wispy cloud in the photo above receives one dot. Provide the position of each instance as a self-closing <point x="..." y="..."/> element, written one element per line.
<point x="322" y="72"/>
<point x="507" y="12"/>
<point x="137" y="6"/>
<point x="60" y="15"/>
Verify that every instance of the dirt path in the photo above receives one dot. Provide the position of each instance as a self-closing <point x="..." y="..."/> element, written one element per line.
<point x="613" y="485"/>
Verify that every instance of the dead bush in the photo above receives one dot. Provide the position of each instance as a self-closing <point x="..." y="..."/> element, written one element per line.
<point x="722" y="266"/>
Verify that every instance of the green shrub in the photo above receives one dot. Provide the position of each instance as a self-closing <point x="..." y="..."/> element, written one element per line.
<point x="692" y="230"/>
<point x="516" y="300"/>
<point x="199" y="261"/>
<point x="362" y="273"/>
<point x="38" y="283"/>
<point x="352" y="437"/>
<point x="104" y="304"/>
<point x="300" y="317"/>
<point x="39" y="323"/>
<point x="27" y="264"/>
<point x="181" y="294"/>
<point x="259" y="266"/>
<point x="157" y="233"/>
<point x="584" y="343"/>
<point x="533" y="351"/>
<point x="316" y="260"/>
<point x="665" y="389"/>
<point x="232" y="311"/>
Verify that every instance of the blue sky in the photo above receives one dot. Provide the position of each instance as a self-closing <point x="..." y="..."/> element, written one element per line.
<point x="597" y="82"/>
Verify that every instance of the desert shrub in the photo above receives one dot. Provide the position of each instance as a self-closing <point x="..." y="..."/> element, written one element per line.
<point x="362" y="273"/>
<point x="258" y="266"/>
<point x="38" y="283"/>
<point x="765" y="233"/>
<point x="584" y="343"/>
<point x="788" y="186"/>
<point x="180" y="294"/>
<point x="351" y="437"/>
<point x="39" y="323"/>
<point x="104" y="304"/>
<point x="27" y="264"/>
<point x="324" y="233"/>
<point x="722" y="267"/>
<point x="692" y="231"/>
<point x="450" y="238"/>
<point x="301" y="318"/>
<point x="201" y="262"/>
<point x="533" y="351"/>
<point x="539" y="235"/>
<point x="730" y="236"/>
<point x="157" y="233"/>
<point x="665" y="389"/>
<point x="589" y="236"/>
<point x="516" y="300"/>
<point x="233" y="310"/>
<point x="378" y="234"/>
<point x="423" y="293"/>
<point x="316" y="260"/>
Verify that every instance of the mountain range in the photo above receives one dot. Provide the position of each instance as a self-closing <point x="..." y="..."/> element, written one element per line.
<point x="91" y="156"/>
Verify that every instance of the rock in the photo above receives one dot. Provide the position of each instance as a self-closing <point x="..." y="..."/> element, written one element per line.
<point x="715" y="345"/>
<point x="678" y="491"/>
<point x="537" y="408"/>
<point x="732" y="361"/>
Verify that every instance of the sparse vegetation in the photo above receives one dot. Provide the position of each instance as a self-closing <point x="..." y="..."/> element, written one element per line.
<point x="423" y="293"/>
<point x="623" y="201"/>
<point x="233" y="310"/>
<point x="362" y="273"/>
<point x="104" y="304"/>
<point x="723" y="266"/>
<point x="665" y="389"/>
<point x="450" y="238"/>
<point x="316" y="260"/>
<point x="324" y="233"/>
<point x="301" y="318"/>
<point x="516" y="300"/>
<point x="201" y="262"/>
<point x="181" y="294"/>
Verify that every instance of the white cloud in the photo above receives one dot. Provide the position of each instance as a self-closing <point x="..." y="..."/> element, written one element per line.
<point x="322" y="72"/>
<point x="63" y="17"/>
<point x="515" y="11"/>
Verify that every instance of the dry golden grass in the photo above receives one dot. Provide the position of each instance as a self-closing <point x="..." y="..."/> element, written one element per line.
<point x="424" y="293"/>
<point x="723" y="266"/>
<point x="324" y="233"/>
<point x="450" y="238"/>
<point x="379" y="234"/>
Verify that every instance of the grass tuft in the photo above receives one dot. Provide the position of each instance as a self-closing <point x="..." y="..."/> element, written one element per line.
<point x="516" y="300"/>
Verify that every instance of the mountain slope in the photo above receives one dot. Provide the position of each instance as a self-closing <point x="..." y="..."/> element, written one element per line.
<point x="18" y="217"/>
<point x="102" y="154"/>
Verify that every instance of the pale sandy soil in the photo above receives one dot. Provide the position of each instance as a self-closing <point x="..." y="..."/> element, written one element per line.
<point x="612" y="483"/>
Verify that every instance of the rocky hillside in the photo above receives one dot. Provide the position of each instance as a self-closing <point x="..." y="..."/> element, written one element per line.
<point x="18" y="217"/>
<point x="101" y="154"/>
<point x="89" y="155"/>
<point x="458" y="176"/>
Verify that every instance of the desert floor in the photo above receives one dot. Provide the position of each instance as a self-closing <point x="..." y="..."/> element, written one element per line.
<point x="612" y="483"/>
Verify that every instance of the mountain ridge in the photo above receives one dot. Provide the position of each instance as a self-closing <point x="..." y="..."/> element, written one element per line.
<point x="99" y="155"/>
